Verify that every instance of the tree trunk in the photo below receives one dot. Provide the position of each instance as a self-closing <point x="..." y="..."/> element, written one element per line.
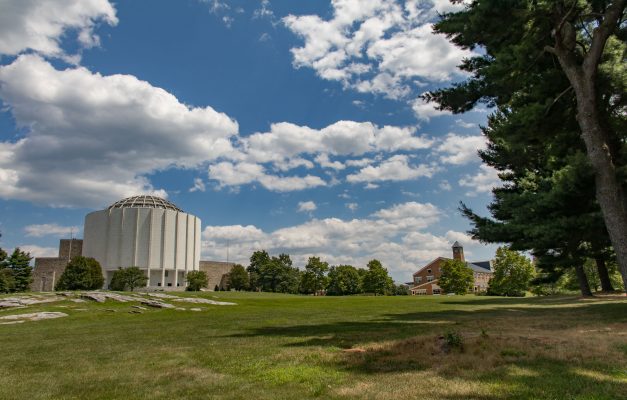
<point x="582" y="76"/>
<point x="604" y="276"/>
<point x="583" y="281"/>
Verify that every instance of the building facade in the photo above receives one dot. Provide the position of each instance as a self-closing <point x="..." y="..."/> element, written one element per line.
<point x="143" y="231"/>
<point x="425" y="280"/>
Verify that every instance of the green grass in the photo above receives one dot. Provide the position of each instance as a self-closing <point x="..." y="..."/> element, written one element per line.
<point x="294" y="347"/>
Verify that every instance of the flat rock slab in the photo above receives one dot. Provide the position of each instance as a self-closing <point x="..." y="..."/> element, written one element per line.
<point x="26" y="301"/>
<point x="19" y="318"/>
<point x="157" y="304"/>
<point x="197" y="300"/>
<point x="97" y="297"/>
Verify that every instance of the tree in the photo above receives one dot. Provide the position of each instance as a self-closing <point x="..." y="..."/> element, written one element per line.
<point x="314" y="279"/>
<point x="512" y="273"/>
<point x="574" y="51"/>
<point x="19" y="265"/>
<point x="238" y="278"/>
<point x="456" y="277"/>
<point x="128" y="278"/>
<point x="258" y="259"/>
<point x="377" y="280"/>
<point x="81" y="273"/>
<point x="7" y="282"/>
<point x="343" y="280"/>
<point x="196" y="280"/>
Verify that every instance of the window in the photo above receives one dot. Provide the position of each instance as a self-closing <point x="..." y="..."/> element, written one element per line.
<point x="436" y="291"/>
<point x="166" y="274"/>
<point x="429" y="271"/>
<point x="420" y="292"/>
<point x="417" y="279"/>
<point x="430" y="278"/>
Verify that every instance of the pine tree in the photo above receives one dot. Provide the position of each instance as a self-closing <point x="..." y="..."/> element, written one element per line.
<point x="19" y="265"/>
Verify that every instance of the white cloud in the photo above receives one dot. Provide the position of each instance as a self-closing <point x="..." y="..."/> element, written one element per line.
<point x="230" y="174"/>
<point x="307" y="206"/>
<point x="445" y="185"/>
<point x="39" y="251"/>
<point x="425" y="111"/>
<point x="90" y="139"/>
<point x="464" y="124"/>
<point x="460" y="150"/>
<point x="393" y="235"/>
<point x="396" y="168"/>
<point x="264" y="10"/>
<point x="371" y="186"/>
<point x="372" y="45"/>
<point x="199" y="185"/>
<point x="40" y="25"/>
<point x="352" y="206"/>
<point x="40" y="230"/>
<point x="483" y="181"/>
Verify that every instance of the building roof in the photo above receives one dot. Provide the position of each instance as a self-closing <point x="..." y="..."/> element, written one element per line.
<point x="145" y="202"/>
<point x="457" y="245"/>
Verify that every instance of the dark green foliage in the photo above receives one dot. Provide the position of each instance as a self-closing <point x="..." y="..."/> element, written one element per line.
<point x="401" y="290"/>
<point x="274" y="274"/>
<point x="344" y="280"/>
<point x="238" y="278"/>
<point x="453" y="340"/>
<point x="81" y="273"/>
<point x="258" y="259"/>
<point x="376" y="279"/>
<point x="456" y="277"/>
<point x="7" y="282"/>
<point x="128" y="278"/>
<point x="314" y="279"/>
<point x="512" y="274"/>
<point x="197" y="280"/>
<point x="19" y="265"/>
<point x="548" y="202"/>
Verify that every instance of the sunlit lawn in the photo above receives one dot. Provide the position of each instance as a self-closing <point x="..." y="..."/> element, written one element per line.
<point x="295" y="347"/>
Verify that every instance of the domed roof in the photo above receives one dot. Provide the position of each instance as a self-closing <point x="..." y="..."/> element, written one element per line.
<point x="145" y="202"/>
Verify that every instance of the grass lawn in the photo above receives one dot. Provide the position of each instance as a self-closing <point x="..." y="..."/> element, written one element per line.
<point x="294" y="347"/>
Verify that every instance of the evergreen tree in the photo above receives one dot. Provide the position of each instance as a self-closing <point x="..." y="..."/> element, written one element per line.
<point x="81" y="273"/>
<point x="376" y="279"/>
<point x="196" y="280"/>
<point x="238" y="278"/>
<point x="555" y="71"/>
<point x="344" y="280"/>
<point x="7" y="283"/>
<point x="19" y="265"/>
<point x="456" y="277"/>
<point x="512" y="273"/>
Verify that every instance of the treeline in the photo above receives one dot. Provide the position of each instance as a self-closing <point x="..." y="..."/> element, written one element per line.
<point x="277" y="274"/>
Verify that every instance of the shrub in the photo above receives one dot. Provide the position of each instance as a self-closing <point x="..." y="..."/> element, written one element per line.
<point x="81" y="273"/>
<point x="128" y="278"/>
<point x="454" y="340"/>
<point x="197" y="280"/>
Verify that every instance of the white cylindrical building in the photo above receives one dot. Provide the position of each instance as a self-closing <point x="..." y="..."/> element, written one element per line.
<point x="148" y="232"/>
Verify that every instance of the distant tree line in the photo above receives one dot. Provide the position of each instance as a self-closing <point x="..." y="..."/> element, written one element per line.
<point x="277" y="274"/>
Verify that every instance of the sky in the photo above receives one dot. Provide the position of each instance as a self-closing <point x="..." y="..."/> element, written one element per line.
<point x="289" y="126"/>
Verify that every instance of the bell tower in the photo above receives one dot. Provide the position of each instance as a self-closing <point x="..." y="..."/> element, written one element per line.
<point x="458" y="252"/>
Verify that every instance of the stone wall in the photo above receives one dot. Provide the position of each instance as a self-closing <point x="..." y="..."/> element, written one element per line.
<point x="70" y="248"/>
<point x="216" y="272"/>
<point x="47" y="272"/>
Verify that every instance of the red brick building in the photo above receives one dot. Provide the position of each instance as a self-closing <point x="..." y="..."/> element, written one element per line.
<point x="425" y="280"/>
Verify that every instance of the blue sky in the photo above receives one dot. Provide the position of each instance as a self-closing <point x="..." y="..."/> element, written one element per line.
<point x="290" y="126"/>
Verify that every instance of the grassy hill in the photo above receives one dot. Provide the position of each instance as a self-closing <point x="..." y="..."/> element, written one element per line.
<point x="294" y="347"/>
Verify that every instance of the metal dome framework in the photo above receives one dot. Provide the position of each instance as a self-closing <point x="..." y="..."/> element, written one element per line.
<point x="145" y="202"/>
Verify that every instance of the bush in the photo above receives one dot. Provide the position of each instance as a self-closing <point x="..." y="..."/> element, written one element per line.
<point x="81" y="273"/>
<point x="197" y="280"/>
<point x="128" y="278"/>
<point x="454" y="340"/>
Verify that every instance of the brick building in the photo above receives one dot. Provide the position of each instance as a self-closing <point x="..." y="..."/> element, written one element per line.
<point x="425" y="280"/>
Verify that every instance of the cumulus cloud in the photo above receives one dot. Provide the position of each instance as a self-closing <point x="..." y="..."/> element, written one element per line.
<point x="40" y="25"/>
<point x="199" y="186"/>
<point x="40" y="230"/>
<point x="307" y="206"/>
<point x="483" y="181"/>
<point x="90" y="139"/>
<point x="371" y="45"/>
<point x="456" y="149"/>
<point x="425" y="111"/>
<point x="396" y="168"/>
<point x="39" y="251"/>
<point x="236" y="174"/>
<point x="394" y="235"/>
